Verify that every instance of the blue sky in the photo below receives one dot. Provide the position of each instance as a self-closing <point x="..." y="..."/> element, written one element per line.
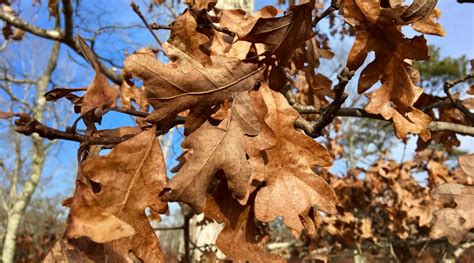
<point x="457" y="19"/>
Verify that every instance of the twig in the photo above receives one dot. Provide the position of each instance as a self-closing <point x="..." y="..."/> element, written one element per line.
<point x="314" y="129"/>
<point x="137" y="11"/>
<point x="434" y="126"/>
<point x="155" y="26"/>
<point x="68" y="22"/>
<point x="449" y="84"/>
<point x="333" y="7"/>
<point x="457" y="103"/>
<point x="300" y="108"/>
<point x="27" y="125"/>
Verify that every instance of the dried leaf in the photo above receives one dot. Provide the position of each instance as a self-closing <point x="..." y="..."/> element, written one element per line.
<point x="290" y="182"/>
<point x="428" y="25"/>
<point x="378" y="32"/>
<point x="281" y="35"/>
<point x="419" y="9"/>
<point x="124" y="183"/>
<point x="456" y="222"/>
<point x="466" y="162"/>
<point x="213" y="148"/>
<point x="64" y="252"/>
<point x="185" y="37"/>
<point x="169" y="93"/>
<point x="241" y="239"/>
<point x="99" y="95"/>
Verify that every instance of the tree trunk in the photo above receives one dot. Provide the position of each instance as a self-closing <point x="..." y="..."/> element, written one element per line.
<point x="246" y="5"/>
<point x="17" y="210"/>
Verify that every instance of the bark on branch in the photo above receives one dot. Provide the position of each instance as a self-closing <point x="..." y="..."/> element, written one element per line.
<point x="314" y="129"/>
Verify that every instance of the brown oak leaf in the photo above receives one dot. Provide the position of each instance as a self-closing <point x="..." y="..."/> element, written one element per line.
<point x="281" y="35"/>
<point x="453" y="222"/>
<point x="112" y="210"/>
<point x="292" y="188"/>
<point x="185" y="37"/>
<point x="99" y="95"/>
<point x="213" y="148"/>
<point x="428" y="25"/>
<point x="379" y="32"/>
<point x="466" y="162"/>
<point x="241" y="240"/>
<point x="200" y="90"/>
<point x="81" y="250"/>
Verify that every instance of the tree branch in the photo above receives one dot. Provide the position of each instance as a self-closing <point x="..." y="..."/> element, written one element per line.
<point x="68" y="21"/>
<point x="457" y="103"/>
<point x="333" y="7"/>
<point x="137" y="11"/>
<point x="453" y="127"/>
<point x="314" y="129"/>
<point x="21" y="24"/>
<point x="434" y="126"/>
<point x="27" y="125"/>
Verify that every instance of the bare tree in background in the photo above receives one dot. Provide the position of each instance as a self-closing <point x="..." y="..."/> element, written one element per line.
<point x="247" y="5"/>
<point x="20" y="189"/>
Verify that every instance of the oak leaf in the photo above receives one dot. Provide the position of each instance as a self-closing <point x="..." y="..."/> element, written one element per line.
<point x="289" y="179"/>
<point x="99" y="95"/>
<point x="466" y="162"/>
<point x="202" y="88"/>
<point x="378" y="32"/>
<point x="240" y="239"/>
<point x="81" y="251"/>
<point x="214" y="148"/>
<point x="428" y="25"/>
<point x="281" y="35"/>
<point x="123" y="184"/>
<point x="453" y="222"/>
<point x="185" y="37"/>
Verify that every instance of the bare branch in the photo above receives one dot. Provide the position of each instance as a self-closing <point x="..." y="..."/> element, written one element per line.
<point x="137" y="11"/>
<point x="447" y="126"/>
<point x="27" y="125"/>
<point x="333" y="7"/>
<point x="68" y="21"/>
<point x="457" y="103"/>
<point x="19" y="23"/>
<point x="314" y="129"/>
